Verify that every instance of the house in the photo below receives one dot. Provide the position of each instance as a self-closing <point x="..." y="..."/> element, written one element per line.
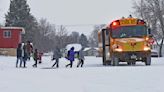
<point x="9" y="39"/>
<point x="91" y="51"/>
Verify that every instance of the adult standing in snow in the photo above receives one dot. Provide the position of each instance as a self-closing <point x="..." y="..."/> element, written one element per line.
<point x="81" y="58"/>
<point x="56" y="56"/>
<point x="35" y="58"/>
<point x="29" y="48"/>
<point x="71" y="57"/>
<point x="24" y="54"/>
<point x="19" y="55"/>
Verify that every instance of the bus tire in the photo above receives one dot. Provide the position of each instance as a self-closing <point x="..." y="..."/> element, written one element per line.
<point x="129" y="63"/>
<point x="133" y="63"/>
<point x="147" y="60"/>
<point x="115" y="61"/>
<point x="104" y="59"/>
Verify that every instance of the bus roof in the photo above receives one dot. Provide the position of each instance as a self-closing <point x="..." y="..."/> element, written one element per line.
<point x="126" y="22"/>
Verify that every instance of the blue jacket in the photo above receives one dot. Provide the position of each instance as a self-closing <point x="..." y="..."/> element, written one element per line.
<point x="71" y="55"/>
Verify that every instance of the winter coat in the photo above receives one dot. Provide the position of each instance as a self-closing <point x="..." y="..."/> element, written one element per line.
<point x="29" y="48"/>
<point x="19" y="51"/>
<point x="40" y="56"/>
<point x="24" y="53"/>
<point x="56" y="54"/>
<point x="71" y="55"/>
<point x="36" y="55"/>
<point x="81" y="55"/>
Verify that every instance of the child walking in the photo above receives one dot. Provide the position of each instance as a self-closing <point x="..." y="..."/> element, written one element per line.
<point x="81" y="58"/>
<point x="71" y="57"/>
<point x="56" y="56"/>
<point x="19" y="55"/>
<point x="35" y="58"/>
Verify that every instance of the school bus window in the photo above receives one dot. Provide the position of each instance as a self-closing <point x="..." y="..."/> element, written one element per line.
<point x="129" y="31"/>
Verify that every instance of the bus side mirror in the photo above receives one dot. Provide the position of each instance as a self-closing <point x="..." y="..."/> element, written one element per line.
<point x="151" y="35"/>
<point x="149" y="32"/>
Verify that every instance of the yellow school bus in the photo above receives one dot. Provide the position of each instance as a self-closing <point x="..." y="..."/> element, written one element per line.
<point x="125" y="40"/>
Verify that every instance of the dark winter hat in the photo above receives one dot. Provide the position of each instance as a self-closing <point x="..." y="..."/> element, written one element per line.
<point x="28" y="41"/>
<point x="19" y="45"/>
<point x="36" y="50"/>
<point x="72" y="48"/>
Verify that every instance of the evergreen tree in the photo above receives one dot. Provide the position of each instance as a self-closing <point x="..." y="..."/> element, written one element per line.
<point x="83" y="40"/>
<point x="19" y="16"/>
<point x="93" y="38"/>
<point x="75" y="37"/>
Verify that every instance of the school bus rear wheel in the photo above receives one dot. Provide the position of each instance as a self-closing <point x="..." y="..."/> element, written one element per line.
<point x="115" y="61"/>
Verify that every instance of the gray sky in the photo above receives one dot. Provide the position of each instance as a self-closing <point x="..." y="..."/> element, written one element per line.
<point x="75" y="12"/>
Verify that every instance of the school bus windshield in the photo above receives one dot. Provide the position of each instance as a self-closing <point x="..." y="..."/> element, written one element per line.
<point x="129" y="31"/>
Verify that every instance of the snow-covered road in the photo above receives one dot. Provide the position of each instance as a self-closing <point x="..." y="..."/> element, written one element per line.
<point x="93" y="77"/>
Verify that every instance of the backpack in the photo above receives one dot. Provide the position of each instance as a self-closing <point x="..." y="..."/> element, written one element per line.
<point x="68" y="54"/>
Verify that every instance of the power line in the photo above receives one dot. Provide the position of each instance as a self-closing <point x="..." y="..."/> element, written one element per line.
<point x="79" y="25"/>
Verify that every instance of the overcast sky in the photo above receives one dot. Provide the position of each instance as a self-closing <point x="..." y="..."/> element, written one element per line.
<point x="75" y="12"/>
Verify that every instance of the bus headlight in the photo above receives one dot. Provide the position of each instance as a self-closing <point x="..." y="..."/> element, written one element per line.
<point x="118" y="49"/>
<point x="108" y="54"/>
<point x="146" y="48"/>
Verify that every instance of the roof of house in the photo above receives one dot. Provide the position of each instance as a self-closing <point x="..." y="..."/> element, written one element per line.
<point x="89" y="48"/>
<point x="75" y="45"/>
<point x="7" y="28"/>
<point x="86" y="49"/>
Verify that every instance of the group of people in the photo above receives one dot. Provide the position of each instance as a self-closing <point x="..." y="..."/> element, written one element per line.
<point x="24" y="52"/>
<point x="70" y="56"/>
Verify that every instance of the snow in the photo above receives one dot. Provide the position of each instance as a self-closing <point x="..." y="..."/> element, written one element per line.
<point x="86" y="49"/>
<point x="77" y="47"/>
<point x="93" y="77"/>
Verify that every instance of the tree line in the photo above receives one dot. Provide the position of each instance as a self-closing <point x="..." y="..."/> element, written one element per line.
<point x="44" y="36"/>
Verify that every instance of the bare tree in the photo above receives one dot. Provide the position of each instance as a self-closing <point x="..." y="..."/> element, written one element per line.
<point x="51" y="36"/>
<point x="45" y="27"/>
<point x="152" y="11"/>
<point x="93" y="38"/>
<point x="61" y="38"/>
<point x="42" y="40"/>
